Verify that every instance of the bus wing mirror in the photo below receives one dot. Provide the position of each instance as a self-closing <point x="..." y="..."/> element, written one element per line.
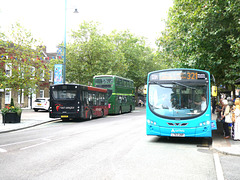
<point x="214" y="91"/>
<point x="213" y="78"/>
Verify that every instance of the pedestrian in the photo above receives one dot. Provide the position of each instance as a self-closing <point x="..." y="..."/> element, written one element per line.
<point x="236" y="120"/>
<point x="213" y="105"/>
<point x="224" y="114"/>
<point x="219" y="110"/>
<point x="140" y="102"/>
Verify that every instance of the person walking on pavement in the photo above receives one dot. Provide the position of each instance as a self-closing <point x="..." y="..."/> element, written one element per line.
<point x="225" y="111"/>
<point x="219" y="110"/>
<point x="236" y="120"/>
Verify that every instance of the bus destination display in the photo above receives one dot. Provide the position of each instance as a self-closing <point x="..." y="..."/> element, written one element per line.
<point x="178" y="75"/>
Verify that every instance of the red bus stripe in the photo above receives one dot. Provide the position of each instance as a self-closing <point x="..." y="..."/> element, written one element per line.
<point x="96" y="89"/>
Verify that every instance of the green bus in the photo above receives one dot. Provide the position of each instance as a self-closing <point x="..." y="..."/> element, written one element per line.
<point x="122" y="97"/>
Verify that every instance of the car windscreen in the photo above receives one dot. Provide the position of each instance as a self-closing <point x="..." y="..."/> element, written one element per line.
<point x="40" y="100"/>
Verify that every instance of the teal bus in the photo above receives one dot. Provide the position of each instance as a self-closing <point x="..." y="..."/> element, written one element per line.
<point x="179" y="103"/>
<point x="121" y="97"/>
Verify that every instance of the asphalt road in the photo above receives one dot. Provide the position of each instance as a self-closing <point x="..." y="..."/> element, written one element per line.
<point x="114" y="148"/>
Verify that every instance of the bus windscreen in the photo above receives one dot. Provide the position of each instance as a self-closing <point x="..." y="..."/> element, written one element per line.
<point x="67" y="94"/>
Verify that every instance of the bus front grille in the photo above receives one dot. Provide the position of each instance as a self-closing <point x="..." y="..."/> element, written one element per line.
<point x="177" y="124"/>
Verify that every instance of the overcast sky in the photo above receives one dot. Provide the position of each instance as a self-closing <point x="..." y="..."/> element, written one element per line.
<point x="45" y="18"/>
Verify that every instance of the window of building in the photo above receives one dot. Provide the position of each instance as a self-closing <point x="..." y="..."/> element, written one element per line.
<point x="42" y="75"/>
<point x="41" y="93"/>
<point x="51" y="76"/>
<point x="7" y="96"/>
<point x="8" y="69"/>
<point x="22" y="100"/>
<point x="21" y="72"/>
<point x="33" y="71"/>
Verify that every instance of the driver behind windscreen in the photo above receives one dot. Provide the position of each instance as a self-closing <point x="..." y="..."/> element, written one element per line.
<point x="203" y="103"/>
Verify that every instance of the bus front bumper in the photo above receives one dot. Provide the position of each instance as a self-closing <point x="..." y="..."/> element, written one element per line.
<point x="179" y="131"/>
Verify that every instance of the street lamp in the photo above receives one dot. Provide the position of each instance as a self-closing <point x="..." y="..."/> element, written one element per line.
<point x="65" y="42"/>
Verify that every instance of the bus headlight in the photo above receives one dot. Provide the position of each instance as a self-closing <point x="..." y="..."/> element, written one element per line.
<point x="204" y="123"/>
<point x="151" y="122"/>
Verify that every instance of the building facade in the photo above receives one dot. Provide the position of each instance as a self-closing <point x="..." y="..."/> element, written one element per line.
<point x="20" y="98"/>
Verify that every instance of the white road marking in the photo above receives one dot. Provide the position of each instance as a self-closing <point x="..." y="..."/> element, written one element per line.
<point x="46" y="141"/>
<point x="2" y="150"/>
<point x="20" y="142"/>
<point x="218" y="167"/>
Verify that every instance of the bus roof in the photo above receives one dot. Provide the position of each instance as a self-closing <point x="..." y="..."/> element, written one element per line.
<point x="97" y="89"/>
<point x="179" y="69"/>
<point x="112" y="76"/>
<point x="90" y="88"/>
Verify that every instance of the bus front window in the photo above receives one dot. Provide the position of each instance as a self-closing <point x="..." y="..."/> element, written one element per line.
<point x="177" y="100"/>
<point x="64" y="94"/>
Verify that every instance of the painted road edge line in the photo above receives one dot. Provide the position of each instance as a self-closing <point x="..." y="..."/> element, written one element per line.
<point x="2" y="150"/>
<point x="218" y="167"/>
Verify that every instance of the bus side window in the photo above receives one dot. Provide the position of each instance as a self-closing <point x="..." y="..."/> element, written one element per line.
<point x="125" y="99"/>
<point x="85" y="97"/>
<point x="120" y="99"/>
<point x="94" y="99"/>
<point x="102" y="99"/>
<point x="90" y="99"/>
<point x="97" y="99"/>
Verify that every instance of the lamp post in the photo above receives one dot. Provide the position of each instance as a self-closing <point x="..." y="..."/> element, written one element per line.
<point x="65" y="43"/>
<point x="64" y="46"/>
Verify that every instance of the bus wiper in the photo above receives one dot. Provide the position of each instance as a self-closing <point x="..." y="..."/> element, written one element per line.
<point x="158" y="83"/>
<point x="183" y="85"/>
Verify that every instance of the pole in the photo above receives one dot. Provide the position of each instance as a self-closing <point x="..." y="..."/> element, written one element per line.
<point x="65" y="45"/>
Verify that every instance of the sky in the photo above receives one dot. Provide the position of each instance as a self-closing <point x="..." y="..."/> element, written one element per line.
<point x="45" y="19"/>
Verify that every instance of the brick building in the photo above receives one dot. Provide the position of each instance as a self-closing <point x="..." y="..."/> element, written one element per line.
<point x="27" y="100"/>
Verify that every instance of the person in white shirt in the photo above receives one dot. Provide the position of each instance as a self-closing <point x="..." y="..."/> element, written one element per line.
<point x="203" y="103"/>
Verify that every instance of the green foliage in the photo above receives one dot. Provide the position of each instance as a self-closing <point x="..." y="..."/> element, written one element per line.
<point x="12" y="103"/>
<point x="203" y="35"/>
<point x="92" y="53"/>
<point x="138" y="57"/>
<point x="23" y="55"/>
<point x="119" y="53"/>
<point x="12" y="108"/>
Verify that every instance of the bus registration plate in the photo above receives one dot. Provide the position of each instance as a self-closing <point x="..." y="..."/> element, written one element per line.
<point x="177" y="134"/>
<point x="64" y="116"/>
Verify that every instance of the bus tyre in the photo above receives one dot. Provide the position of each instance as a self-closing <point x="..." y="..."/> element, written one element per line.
<point x="120" y="110"/>
<point x="90" y="115"/>
<point x="130" y="109"/>
<point x="102" y="115"/>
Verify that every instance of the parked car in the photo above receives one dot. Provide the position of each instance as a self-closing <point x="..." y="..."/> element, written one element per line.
<point x="41" y="104"/>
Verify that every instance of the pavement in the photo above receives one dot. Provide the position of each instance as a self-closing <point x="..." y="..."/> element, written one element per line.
<point x="30" y="118"/>
<point x="225" y="146"/>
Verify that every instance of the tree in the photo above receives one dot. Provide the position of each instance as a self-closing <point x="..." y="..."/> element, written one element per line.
<point x="92" y="53"/>
<point x="138" y="56"/>
<point x="203" y="35"/>
<point x="22" y="54"/>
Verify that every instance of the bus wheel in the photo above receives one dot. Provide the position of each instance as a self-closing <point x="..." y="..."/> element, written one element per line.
<point x="102" y="115"/>
<point x="120" y="110"/>
<point x="90" y="115"/>
<point x="130" y="109"/>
